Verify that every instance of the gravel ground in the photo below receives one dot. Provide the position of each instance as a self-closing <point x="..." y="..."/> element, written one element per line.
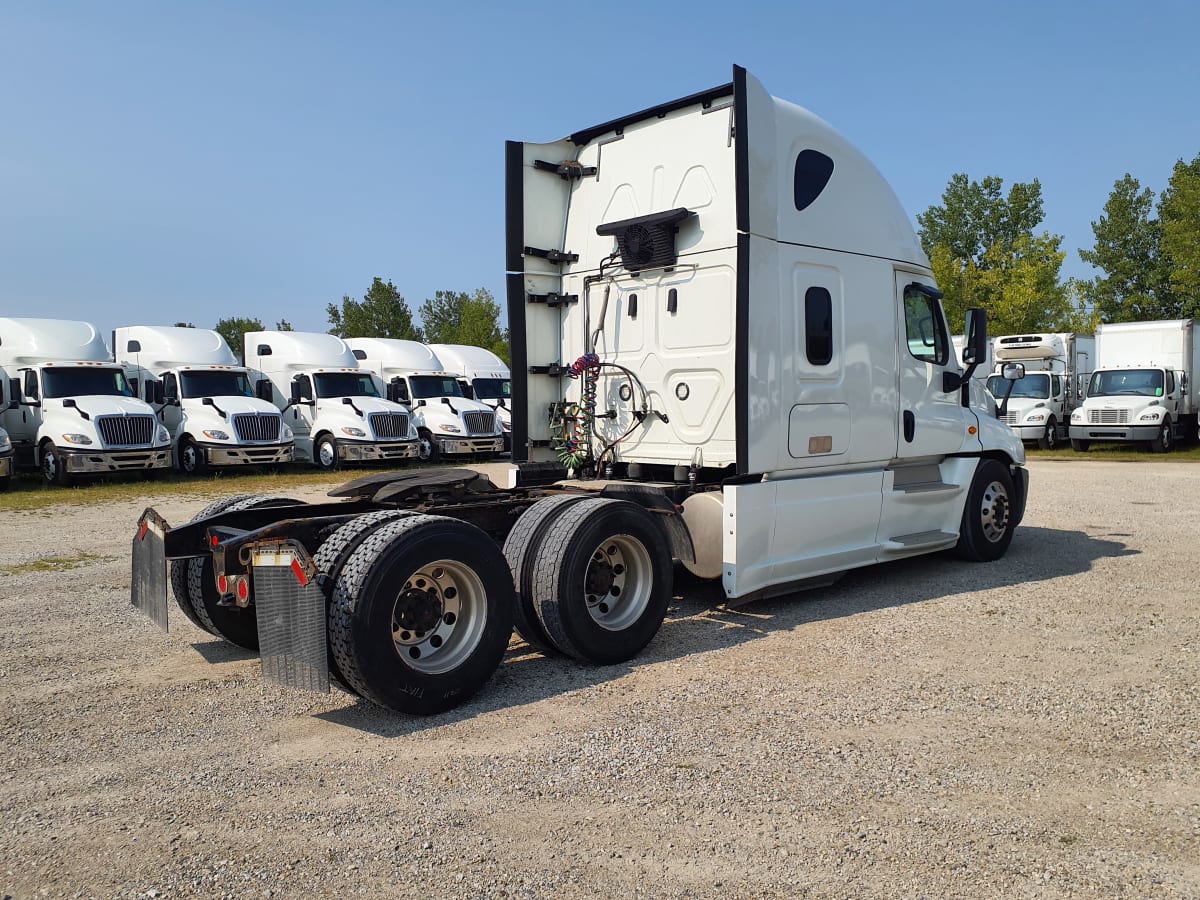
<point x="928" y="727"/>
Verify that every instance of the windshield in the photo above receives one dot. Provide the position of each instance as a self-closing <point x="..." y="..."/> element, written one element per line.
<point x="492" y="388"/>
<point x="194" y="385"/>
<point x="344" y="384"/>
<point x="425" y="387"/>
<point x="1036" y="386"/>
<point x="1144" y="382"/>
<point x="85" y="382"/>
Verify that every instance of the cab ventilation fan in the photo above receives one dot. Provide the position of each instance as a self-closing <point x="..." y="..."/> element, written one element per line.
<point x="647" y="242"/>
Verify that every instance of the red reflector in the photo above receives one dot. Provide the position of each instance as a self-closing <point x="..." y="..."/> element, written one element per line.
<point x="299" y="570"/>
<point x="215" y="540"/>
<point x="222" y="584"/>
<point x="142" y="529"/>
<point x="243" y="590"/>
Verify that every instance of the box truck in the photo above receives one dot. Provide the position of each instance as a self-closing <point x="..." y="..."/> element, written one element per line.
<point x="205" y="397"/>
<point x="449" y="423"/>
<point x="485" y="377"/>
<point x="1057" y="367"/>
<point x="728" y="350"/>
<point x="335" y="408"/>
<point x="69" y="410"/>
<point x="1141" y="388"/>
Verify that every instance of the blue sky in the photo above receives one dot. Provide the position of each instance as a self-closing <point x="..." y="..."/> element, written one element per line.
<point x="168" y="161"/>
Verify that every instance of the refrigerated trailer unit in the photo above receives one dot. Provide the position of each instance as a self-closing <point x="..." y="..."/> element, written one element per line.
<point x="205" y="397"/>
<point x="1057" y="368"/>
<point x="335" y="408"/>
<point x="728" y="350"/>
<point x="68" y="409"/>
<point x="1141" y="389"/>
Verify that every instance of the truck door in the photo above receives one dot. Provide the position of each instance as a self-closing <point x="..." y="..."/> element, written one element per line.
<point x="932" y="422"/>
<point x="172" y="411"/>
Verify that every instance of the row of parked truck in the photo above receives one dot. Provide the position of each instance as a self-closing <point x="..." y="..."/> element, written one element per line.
<point x="1131" y="382"/>
<point x="170" y="396"/>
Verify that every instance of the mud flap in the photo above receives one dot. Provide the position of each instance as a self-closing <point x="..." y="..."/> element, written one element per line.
<point x="291" y="617"/>
<point x="148" y="585"/>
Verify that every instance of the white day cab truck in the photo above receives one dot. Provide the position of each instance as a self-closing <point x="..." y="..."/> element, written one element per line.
<point x="728" y="350"/>
<point x="449" y="423"/>
<point x="484" y="377"/>
<point x="68" y="409"/>
<point x="1057" y="367"/>
<point x="334" y="408"/>
<point x="1141" y="389"/>
<point x="205" y="397"/>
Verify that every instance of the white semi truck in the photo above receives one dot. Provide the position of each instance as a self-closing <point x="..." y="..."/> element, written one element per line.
<point x="205" y="396"/>
<point x="1057" y="368"/>
<point x="335" y="408"/>
<point x="68" y="409"/>
<point x="1141" y="389"/>
<point x="449" y="423"/>
<point x="485" y="377"/>
<point x="9" y="399"/>
<point x="728" y="350"/>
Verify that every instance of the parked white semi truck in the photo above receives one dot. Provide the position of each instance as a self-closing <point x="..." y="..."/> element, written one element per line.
<point x="1141" y="389"/>
<point x="485" y="377"/>
<point x="9" y="399"/>
<point x="1057" y="368"/>
<point x="206" y="397"/>
<point x="335" y="408"/>
<point x="728" y="349"/>
<point x="448" y="422"/>
<point x="69" y="410"/>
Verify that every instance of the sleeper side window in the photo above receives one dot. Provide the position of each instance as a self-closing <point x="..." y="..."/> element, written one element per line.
<point x="924" y="328"/>
<point x="818" y="326"/>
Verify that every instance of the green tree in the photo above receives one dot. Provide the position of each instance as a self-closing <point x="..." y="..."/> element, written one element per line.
<point x="984" y="253"/>
<point x="184" y="325"/>
<point x="1179" y="213"/>
<point x="284" y="325"/>
<point x="382" y="312"/>
<point x="454" y="317"/>
<point x="233" y="329"/>
<point x="1127" y="251"/>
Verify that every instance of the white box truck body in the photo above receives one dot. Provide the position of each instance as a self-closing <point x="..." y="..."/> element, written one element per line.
<point x="728" y="350"/>
<point x="487" y="379"/>
<point x="335" y="408"/>
<point x="449" y="423"/>
<point x="70" y="410"/>
<point x="1141" y="389"/>
<point x="1057" y="368"/>
<point x="208" y="401"/>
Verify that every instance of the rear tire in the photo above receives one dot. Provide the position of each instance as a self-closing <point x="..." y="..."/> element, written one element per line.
<point x="521" y="550"/>
<point x="1165" y="441"/>
<point x="987" y="520"/>
<point x="179" y="567"/>
<point x="601" y="588"/>
<point x="421" y="614"/>
<point x="1080" y="446"/>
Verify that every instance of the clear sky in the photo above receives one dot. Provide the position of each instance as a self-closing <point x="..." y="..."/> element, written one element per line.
<point x="163" y="161"/>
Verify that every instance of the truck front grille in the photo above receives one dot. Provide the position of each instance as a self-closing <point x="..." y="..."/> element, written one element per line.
<point x="1012" y="418"/>
<point x="256" y="426"/>
<point x="1108" y="417"/>
<point x="389" y="425"/>
<point x="126" y="431"/>
<point x="480" y="422"/>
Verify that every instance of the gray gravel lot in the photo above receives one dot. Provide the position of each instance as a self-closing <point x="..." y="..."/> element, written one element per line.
<point x="923" y="728"/>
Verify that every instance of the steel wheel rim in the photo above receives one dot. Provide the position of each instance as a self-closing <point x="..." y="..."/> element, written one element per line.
<point x="438" y="645"/>
<point x="426" y="449"/>
<point x="189" y="458"/>
<point x="50" y="465"/>
<point x="618" y="582"/>
<point x="326" y="454"/>
<point x="1166" y="436"/>
<point x="994" y="511"/>
<point x="1051" y="436"/>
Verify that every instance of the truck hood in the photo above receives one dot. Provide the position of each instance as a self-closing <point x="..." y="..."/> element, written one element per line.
<point x="368" y="405"/>
<point x="101" y="405"/>
<point x="234" y="405"/>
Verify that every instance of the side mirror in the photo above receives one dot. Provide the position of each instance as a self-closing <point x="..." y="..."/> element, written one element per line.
<point x="155" y="389"/>
<point x="207" y="401"/>
<point x="420" y="403"/>
<point x="295" y="395"/>
<point x="14" y="393"/>
<point x="1012" y="371"/>
<point x="69" y="403"/>
<point x="348" y="401"/>
<point x="975" y="337"/>
<point x="264" y="391"/>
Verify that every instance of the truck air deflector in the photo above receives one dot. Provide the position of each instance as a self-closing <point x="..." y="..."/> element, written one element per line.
<point x="647" y="242"/>
<point x="519" y="356"/>
<point x="704" y="98"/>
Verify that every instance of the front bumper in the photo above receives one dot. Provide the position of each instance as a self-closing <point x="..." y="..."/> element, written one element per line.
<point x="1030" y="432"/>
<point x="7" y="466"/>
<point x="463" y="446"/>
<point x="1115" y="432"/>
<point x="353" y="451"/>
<point x="88" y="462"/>
<point x="247" y="454"/>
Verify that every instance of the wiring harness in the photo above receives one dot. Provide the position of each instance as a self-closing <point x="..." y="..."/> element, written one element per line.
<point x="573" y="440"/>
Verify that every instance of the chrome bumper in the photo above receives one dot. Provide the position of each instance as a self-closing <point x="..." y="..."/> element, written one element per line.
<point x="1114" y="432"/>
<point x="6" y="465"/>
<point x="247" y="455"/>
<point x="352" y="451"/>
<point x="463" y="446"/>
<point x="91" y="461"/>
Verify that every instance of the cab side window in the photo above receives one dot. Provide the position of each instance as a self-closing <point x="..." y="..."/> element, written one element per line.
<point x="1170" y="382"/>
<point x="924" y="328"/>
<point x="1055" y="385"/>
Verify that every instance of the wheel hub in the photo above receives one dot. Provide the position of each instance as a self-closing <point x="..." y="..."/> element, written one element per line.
<point x="600" y="576"/>
<point x="995" y="511"/>
<point x="419" y="608"/>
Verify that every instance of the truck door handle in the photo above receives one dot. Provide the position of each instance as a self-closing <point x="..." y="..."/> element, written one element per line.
<point x="910" y="425"/>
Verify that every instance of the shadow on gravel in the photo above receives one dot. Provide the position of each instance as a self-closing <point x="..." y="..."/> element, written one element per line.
<point x="698" y="621"/>
<point x="221" y="651"/>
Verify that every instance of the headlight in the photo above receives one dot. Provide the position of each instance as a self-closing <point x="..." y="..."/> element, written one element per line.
<point x="451" y="429"/>
<point x="77" y="439"/>
<point x="216" y="435"/>
<point x="1152" y="416"/>
<point x="5" y="443"/>
<point x="285" y="433"/>
<point x="507" y="426"/>
<point x="164" y="436"/>
<point x="1036" y="417"/>
<point x="1077" y="415"/>
<point x="354" y="432"/>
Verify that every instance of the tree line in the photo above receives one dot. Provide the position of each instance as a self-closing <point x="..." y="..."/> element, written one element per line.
<point x="985" y="251"/>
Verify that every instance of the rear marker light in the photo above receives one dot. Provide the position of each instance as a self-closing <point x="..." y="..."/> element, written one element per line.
<point x="142" y="529"/>
<point x="243" y="590"/>
<point x="215" y="540"/>
<point x="222" y="584"/>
